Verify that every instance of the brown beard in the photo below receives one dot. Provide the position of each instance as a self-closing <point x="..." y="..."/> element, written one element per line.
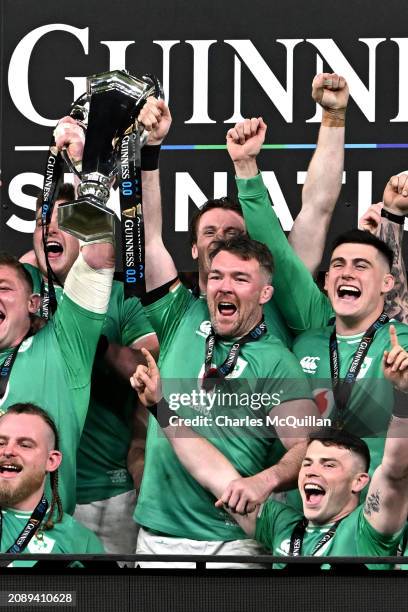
<point x="11" y="495"/>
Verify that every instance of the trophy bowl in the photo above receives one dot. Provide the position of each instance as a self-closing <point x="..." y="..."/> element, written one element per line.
<point x="115" y="99"/>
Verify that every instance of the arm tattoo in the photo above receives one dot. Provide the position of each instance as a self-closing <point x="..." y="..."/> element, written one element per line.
<point x="396" y="301"/>
<point x="372" y="503"/>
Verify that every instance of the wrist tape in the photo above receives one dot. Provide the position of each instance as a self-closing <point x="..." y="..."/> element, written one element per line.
<point x="400" y="408"/>
<point x="149" y="157"/>
<point x="161" y="413"/>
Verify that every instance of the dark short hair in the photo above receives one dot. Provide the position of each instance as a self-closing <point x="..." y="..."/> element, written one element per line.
<point x="66" y="192"/>
<point x="245" y="248"/>
<point x="12" y="262"/>
<point x="357" y="236"/>
<point x="223" y="203"/>
<point x="332" y="436"/>
<point x="56" y="504"/>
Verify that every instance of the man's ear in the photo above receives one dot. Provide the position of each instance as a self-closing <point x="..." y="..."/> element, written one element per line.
<point x="388" y="283"/>
<point x="54" y="460"/>
<point x="34" y="303"/>
<point x="325" y="280"/>
<point x="266" y="294"/>
<point x="194" y="251"/>
<point x="359" y="482"/>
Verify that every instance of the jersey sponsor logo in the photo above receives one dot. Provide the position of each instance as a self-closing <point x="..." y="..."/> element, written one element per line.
<point x="324" y="400"/>
<point x="309" y="364"/>
<point x="204" y="329"/>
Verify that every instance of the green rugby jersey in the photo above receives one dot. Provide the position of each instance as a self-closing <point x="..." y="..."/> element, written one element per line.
<point x="370" y="405"/>
<point x="102" y="455"/>
<point x="101" y="461"/>
<point x="53" y="370"/>
<point x="353" y="537"/>
<point x="66" y="537"/>
<point x="171" y="501"/>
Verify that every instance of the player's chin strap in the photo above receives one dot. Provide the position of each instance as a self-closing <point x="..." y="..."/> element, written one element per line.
<point x="29" y="530"/>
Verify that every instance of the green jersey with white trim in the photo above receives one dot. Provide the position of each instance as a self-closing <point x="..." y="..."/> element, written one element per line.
<point x="353" y="537"/>
<point x="171" y="501"/>
<point x="66" y="537"/>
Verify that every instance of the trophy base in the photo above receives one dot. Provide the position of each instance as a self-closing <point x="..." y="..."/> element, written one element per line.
<point x="86" y="219"/>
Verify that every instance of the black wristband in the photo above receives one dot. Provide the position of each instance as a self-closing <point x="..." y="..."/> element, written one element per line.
<point x="400" y="219"/>
<point x="161" y="413"/>
<point x="156" y="294"/>
<point x="149" y="157"/>
<point x="102" y="346"/>
<point x="400" y="409"/>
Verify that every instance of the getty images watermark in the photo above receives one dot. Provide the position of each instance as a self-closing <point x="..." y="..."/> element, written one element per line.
<point x="200" y="399"/>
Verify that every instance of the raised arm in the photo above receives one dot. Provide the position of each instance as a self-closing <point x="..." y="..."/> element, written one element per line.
<point x="99" y="255"/>
<point x="160" y="269"/>
<point x="324" y="175"/>
<point x="81" y="311"/>
<point x="296" y="294"/>
<point x="391" y="230"/>
<point x="386" y="505"/>
<point x="386" y="220"/>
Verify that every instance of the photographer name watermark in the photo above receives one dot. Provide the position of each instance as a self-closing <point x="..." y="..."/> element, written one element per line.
<point x="223" y="420"/>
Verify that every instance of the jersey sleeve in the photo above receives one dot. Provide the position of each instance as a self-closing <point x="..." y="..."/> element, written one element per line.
<point x="298" y="297"/>
<point x="372" y="542"/>
<point x="79" y="319"/>
<point x="77" y="331"/>
<point x="134" y="322"/>
<point x="166" y="313"/>
<point x="273" y="521"/>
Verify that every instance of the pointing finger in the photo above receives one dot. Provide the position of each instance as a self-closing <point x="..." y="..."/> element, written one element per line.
<point x="393" y="336"/>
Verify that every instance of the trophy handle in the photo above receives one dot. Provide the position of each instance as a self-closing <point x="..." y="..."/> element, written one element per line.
<point x="158" y="89"/>
<point x="152" y="80"/>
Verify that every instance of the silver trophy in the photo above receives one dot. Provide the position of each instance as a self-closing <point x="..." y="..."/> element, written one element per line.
<point x="115" y="99"/>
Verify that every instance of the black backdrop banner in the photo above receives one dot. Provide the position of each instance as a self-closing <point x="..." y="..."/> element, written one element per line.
<point x="219" y="62"/>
